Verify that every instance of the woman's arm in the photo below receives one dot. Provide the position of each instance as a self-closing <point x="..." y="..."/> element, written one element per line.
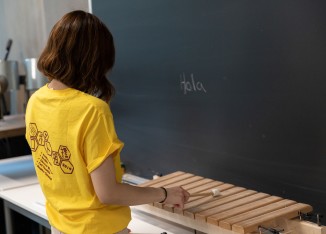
<point x="109" y="191"/>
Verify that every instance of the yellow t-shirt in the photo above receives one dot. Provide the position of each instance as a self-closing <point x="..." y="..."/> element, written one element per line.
<point x="70" y="134"/>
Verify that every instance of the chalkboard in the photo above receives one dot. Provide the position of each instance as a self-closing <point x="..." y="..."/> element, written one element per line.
<point x="229" y="90"/>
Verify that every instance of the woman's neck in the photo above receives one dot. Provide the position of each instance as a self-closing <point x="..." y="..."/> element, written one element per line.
<point x="57" y="85"/>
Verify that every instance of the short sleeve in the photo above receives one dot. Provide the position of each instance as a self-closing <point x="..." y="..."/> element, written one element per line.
<point x="101" y="140"/>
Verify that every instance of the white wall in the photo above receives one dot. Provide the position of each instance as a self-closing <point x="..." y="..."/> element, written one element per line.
<point x="28" y="23"/>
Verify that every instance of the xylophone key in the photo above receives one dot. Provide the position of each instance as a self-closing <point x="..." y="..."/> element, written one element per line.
<point x="214" y="219"/>
<point x="289" y="212"/>
<point x="162" y="178"/>
<point x="197" y="183"/>
<point x="224" y="201"/>
<point x="216" y="208"/>
<point x="172" y="180"/>
<point x="227" y="223"/>
<point x="196" y="201"/>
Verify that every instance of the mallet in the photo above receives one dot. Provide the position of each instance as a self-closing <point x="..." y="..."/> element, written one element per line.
<point x="214" y="193"/>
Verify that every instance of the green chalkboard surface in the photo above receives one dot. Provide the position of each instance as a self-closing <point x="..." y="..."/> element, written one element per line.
<point x="230" y="90"/>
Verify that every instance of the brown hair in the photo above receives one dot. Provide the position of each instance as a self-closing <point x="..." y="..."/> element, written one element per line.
<point x="79" y="53"/>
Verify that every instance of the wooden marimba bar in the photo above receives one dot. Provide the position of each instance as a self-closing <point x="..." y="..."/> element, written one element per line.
<point x="235" y="210"/>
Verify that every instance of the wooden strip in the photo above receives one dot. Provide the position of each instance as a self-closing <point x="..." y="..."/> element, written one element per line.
<point x="227" y="223"/>
<point x="208" y="187"/>
<point x="231" y="195"/>
<point x="264" y="220"/>
<point x="234" y="201"/>
<point x="225" y="193"/>
<point x="12" y="125"/>
<point x="162" y="178"/>
<point x="242" y="209"/>
<point x="193" y="202"/>
<point x="186" y="181"/>
<point x="12" y="132"/>
<point x="172" y="180"/>
<point x="197" y="184"/>
<point x="196" y="207"/>
<point x="182" y="220"/>
<point x="221" y="187"/>
<point x="201" y="188"/>
<point x="229" y="202"/>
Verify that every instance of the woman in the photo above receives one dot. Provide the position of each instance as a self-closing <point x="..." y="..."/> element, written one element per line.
<point x="71" y="133"/>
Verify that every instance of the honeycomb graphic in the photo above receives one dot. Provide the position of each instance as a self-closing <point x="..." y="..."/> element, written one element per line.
<point x="60" y="158"/>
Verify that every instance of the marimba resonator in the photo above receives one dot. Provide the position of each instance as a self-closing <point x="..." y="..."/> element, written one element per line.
<point x="235" y="210"/>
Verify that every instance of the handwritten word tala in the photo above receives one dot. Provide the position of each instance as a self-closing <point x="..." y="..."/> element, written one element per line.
<point x="191" y="85"/>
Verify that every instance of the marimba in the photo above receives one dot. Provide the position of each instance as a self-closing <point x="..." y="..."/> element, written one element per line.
<point x="235" y="210"/>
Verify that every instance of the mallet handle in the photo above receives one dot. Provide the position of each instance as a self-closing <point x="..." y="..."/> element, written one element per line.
<point x="201" y="194"/>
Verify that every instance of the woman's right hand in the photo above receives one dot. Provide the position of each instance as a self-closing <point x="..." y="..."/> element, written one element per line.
<point x="176" y="196"/>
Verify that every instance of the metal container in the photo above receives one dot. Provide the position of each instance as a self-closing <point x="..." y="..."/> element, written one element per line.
<point x="3" y="88"/>
<point x="9" y="69"/>
<point x="3" y="84"/>
<point x="34" y="78"/>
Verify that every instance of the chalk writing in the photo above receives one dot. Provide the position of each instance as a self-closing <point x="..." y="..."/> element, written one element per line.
<point x="191" y="85"/>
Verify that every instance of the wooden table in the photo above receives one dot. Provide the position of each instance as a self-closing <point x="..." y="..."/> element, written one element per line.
<point x="30" y="202"/>
<point x="12" y="125"/>
<point x="21" y="192"/>
<point x="17" y="172"/>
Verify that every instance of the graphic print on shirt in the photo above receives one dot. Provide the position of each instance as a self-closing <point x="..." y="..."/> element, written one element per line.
<point x="60" y="158"/>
